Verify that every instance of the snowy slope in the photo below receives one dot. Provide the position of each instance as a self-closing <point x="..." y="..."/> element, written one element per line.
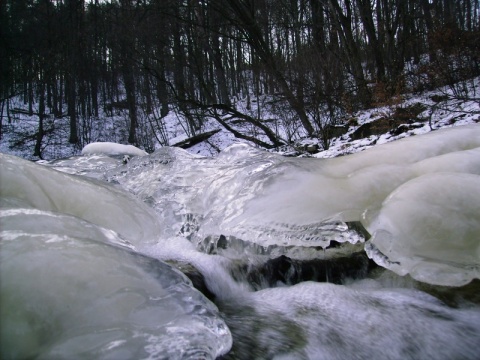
<point x="18" y="137"/>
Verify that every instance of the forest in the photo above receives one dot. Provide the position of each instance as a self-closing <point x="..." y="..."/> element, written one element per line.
<point x="303" y="64"/>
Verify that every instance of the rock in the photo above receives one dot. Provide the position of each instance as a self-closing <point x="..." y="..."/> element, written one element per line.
<point x="378" y="127"/>
<point x="195" y="276"/>
<point x="400" y="117"/>
<point x="292" y="271"/>
<point x="404" y="128"/>
<point x="312" y="148"/>
<point x="408" y="113"/>
<point x="334" y="131"/>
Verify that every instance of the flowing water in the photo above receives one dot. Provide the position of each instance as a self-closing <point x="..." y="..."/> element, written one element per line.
<point x="369" y="256"/>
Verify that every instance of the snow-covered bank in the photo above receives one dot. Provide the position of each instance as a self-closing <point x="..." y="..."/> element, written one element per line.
<point x="18" y="137"/>
<point x="450" y="113"/>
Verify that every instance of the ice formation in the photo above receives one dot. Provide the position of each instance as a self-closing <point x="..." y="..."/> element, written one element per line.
<point x="62" y="235"/>
<point x="70" y="289"/>
<point x="430" y="228"/>
<point x="270" y="200"/>
<point x="73" y="283"/>
<point x="34" y="186"/>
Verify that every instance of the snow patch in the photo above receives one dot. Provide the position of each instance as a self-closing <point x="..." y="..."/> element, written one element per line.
<point x="109" y="148"/>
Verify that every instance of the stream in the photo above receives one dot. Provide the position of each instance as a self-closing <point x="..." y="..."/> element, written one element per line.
<point x="247" y="255"/>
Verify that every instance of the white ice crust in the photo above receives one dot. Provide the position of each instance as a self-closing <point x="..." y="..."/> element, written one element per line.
<point x="271" y="200"/>
<point x="60" y="234"/>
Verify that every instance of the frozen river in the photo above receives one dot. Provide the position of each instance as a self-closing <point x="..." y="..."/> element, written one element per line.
<point x="374" y="255"/>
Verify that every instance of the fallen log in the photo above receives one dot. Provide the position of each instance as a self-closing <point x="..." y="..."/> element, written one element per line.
<point x="187" y="143"/>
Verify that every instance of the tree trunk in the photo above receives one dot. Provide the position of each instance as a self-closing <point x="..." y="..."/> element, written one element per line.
<point x="343" y="22"/>
<point x="129" y="81"/>
<point x="72" y="111"/>
<point x="427" y="15"/>
<point x="41" y="115"/>
<point x="366" y="13"/>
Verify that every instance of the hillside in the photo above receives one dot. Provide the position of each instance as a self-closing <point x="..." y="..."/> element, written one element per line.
<point x="404" y="116"/>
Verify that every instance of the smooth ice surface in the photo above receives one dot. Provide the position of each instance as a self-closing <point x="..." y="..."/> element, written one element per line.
<point x="42" y="188"/>
<point x="93" y="165"/>
<point x="110" y="148"/>
<point x="70" y="289"/>
<point x="269" y="200"/>
<point x="430" y="227"/>
<point x="200" y="197"/>
<point x="73" y="284"/>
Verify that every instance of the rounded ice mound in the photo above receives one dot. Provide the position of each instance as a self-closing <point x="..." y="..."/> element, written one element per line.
<point x="109" y="148"/>
<point x="430" y="228"/>
<point x="35" y="186"/>
<point x="67" y="292"/>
